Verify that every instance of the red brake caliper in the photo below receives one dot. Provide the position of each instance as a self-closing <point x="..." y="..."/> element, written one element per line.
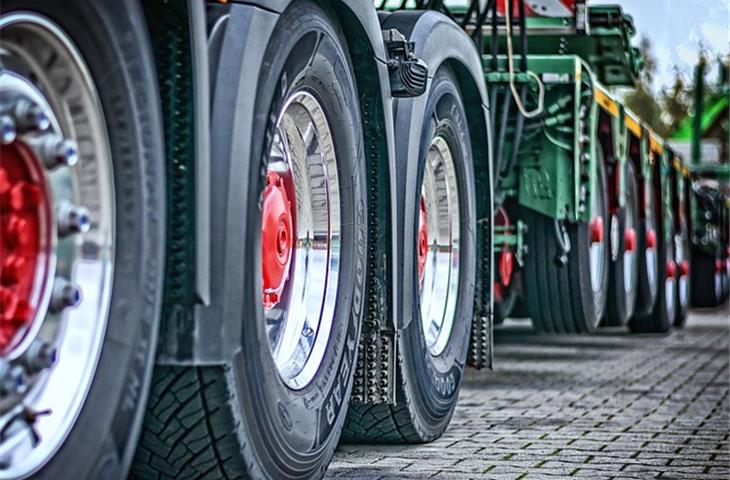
<point x="277" y="238"/>
<point x="23" y="201"/>
<point x="422" y="239"/>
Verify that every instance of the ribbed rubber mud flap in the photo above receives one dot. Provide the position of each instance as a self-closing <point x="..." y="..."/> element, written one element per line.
<point x="169" y="33"/>
<point x="481" y="338"/>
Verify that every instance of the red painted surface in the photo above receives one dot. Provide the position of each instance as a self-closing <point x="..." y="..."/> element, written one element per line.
<point x="277" y="238"/>
<point x="24" y="215"/>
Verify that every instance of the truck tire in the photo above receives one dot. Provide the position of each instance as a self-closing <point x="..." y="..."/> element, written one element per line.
<point x="706" y="283"/>
<point x="681" y="253"/>
<point x="79" y="85"/>
<point x="648" y="258"/>
<point x="504" y="305"/>
<point x="660" y="319"/>
<point x="276" y="409"/>
<point x="570" y="297"/>
<point x="624" y="267"/>
<point x="434" y="345"/>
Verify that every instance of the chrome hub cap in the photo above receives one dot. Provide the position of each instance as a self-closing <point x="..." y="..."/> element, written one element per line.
<point x="57" y="215"/>
<point x="671" y="273"/>
<point x="300" y="239"/>
<point x="630" y="241"/>
<point x="438" y="246"/>
<point x="597" y="241"/>
<point x="682" y="262"/>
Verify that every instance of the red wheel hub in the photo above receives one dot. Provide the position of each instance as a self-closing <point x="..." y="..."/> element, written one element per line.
<point x="24" y="239"/>
<point x="719" y="266"/>
<point x="595" y="230"/>
<point x="671" y="269"/>
<point x="422" y="239"/>
<point x="684" y="268"/>
<point x="651" y="239"/>
<point x="630" y="240"/>
<point x="277" y="238"/>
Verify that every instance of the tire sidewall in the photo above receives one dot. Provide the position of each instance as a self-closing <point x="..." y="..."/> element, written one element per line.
<point x="294" y="432"/>
<point x="435" y="380"/>
<point x="111" y="37"/>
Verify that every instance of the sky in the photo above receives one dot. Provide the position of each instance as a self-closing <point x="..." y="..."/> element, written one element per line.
<point x="677" y="29"/>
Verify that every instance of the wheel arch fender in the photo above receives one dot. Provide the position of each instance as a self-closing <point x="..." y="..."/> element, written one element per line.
<point x="439" y="41"/>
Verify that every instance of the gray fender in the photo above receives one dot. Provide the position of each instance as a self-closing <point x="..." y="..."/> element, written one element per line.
<point x="237" y="46"/>
<point x="438" y="40"/>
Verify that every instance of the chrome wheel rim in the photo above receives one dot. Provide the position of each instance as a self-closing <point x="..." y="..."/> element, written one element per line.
<point x="439" y="251"/>
<point x="300" y="314"/>
<point x="669" y="293"/>
<point x="650" y="254"/>
<point x="57" y="356"/>
<point x="629" y="256"/>
<point x="597" y="253"/>
<point x="681" y="260"/>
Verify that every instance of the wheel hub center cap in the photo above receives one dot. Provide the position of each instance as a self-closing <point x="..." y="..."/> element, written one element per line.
<point x="276" y="238"/>
<point x="25" y="239"/>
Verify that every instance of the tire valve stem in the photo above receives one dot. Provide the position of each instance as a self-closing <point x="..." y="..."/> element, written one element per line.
<point x="29" y="417"/>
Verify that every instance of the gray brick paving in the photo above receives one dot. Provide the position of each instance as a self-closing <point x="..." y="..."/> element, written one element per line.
<point x="606" y="406"/>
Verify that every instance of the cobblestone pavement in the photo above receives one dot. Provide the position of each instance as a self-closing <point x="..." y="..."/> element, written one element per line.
<point x="608" y="405"/>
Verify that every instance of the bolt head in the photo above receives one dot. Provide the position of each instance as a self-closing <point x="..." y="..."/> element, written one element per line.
<point x="7" y="130"/>
<point x="65" y="295"/>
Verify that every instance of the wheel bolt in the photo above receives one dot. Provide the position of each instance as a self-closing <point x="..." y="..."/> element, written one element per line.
<point x="7" y="130"/>
<point x="13" y="381"/>
<point x="30" y="117"/>
<point x="58" y="152"/>
<point x="65" y="295"/>
<point x="72" y="220"/>
<point x="40" y="356"/>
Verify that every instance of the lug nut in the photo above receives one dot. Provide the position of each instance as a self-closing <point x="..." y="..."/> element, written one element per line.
<point x="65" y="295"/>
<point x="30" y="117"/>
<point x="72" y="220"/>
<point x="7" y="130"/>
<point x="13" y="380"/>
<point x="57" y="152"/>
<point x="40" y="356"/>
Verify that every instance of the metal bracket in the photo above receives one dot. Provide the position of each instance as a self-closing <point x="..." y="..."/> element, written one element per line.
<point x="408" y="74"/>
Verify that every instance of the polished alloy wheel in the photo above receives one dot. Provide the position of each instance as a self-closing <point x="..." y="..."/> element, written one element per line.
<point x="57" y="214"/>
<point x="630" y="244"/>
<point x="681" y="260"/>
<point x="300" y="239"/>
<point x="670" y="280"/>
<point x="438" y="245"/>
<point x="597" y="239"/>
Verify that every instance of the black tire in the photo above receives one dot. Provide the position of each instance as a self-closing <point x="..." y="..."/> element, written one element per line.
<point x="661" y="318"/>
<point x="684" y="282"/>
<point x="111" y="37"/>
<point x="560" y="298"/>
<point x="624" y="284"/>
<point x="240" y="420"/>
<point x="427" y="384"/>
<point x="504" y="306"/>
<point x="706" y="284"/>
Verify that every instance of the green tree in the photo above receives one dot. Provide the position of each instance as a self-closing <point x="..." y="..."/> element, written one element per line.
<point x="642" y="99"/>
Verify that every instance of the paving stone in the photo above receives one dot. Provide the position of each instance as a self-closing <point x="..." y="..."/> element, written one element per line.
<point x="605" y="406"/>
